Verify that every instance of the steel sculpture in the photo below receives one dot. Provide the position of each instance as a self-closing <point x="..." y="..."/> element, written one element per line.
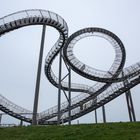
<point x="110" y="83"/>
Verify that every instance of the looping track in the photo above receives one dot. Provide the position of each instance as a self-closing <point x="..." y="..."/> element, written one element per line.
<point x="110" y="83"/>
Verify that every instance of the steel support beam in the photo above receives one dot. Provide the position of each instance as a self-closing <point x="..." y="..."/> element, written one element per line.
<point x="59" y="88"/>
<point x="69" y="96"/>
<point x="129" y="102"/>
<point x="130" y="106"/>
<point x="96" y="120"/>
<point x="21" y="123"/>
<point x="0" y="118"/>
<point x="69" y="88"/>
<point x="104" y="115"/>
<point x="36" y="98"/>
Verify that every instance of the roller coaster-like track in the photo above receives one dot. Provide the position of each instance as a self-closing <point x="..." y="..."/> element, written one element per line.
<point x="110" y="84"/>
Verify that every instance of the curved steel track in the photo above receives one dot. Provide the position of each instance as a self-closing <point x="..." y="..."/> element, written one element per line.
<point x="110" y="84"/>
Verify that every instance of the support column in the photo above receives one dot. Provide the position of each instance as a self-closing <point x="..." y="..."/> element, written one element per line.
<point x="104" y="115"/>
<point x="69" y="96"/>
<point x="130" y="106"/>
<point x="0" y="118"/>
<point x="129" y="102"/>
<point x="96" y="121"/>
<point x="36" y="98"/>
<point x="59" y="89"/>
<point x="21" y="123"/>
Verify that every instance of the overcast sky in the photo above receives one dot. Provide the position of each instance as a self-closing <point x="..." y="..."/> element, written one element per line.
<point x="19" y="50"/>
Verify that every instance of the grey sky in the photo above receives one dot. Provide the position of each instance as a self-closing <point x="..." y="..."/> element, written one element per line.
<point x="19" y="49"/>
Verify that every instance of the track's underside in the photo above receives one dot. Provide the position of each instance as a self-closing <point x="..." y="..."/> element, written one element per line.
<point x="110" y="84"/>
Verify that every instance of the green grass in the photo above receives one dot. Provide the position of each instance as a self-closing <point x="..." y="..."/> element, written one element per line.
<point x="109" y="131"/>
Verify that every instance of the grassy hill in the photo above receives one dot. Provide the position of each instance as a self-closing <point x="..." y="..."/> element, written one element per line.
<point x="108" y="131"/>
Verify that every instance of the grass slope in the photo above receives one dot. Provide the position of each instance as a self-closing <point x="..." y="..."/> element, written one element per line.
<point x="109" y="131"/>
